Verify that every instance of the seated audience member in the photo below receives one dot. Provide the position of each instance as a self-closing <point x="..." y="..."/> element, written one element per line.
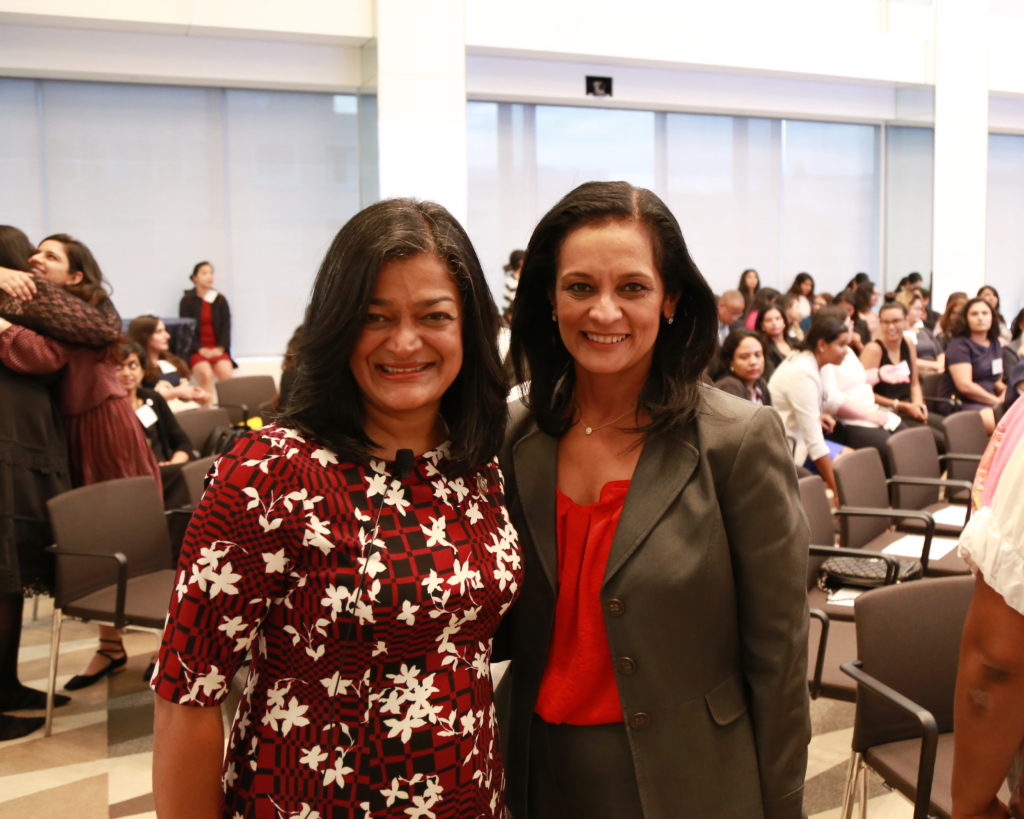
<point x="931" y="317"/>
<point x="974" y="363"/>
<point x="1016" y="342"/>
<point x="845" y="301"/>
<point x="802" y="290"/>
<point x="797" y="393"/>
<point x="988" y="712"/>
<point x="164" y="371"/>
<point x="765" y="296"/>
<point x="771" y="324"/>
<point x="930" y="358"/>
<point x="730" y="311"/>
<point x="820" y="300"/>
<point x="171" y="446"/>
<point x="209" y="355"/>
<point x="947" y="321"/>
<point x="860" y="422"/>
<point x="1014" y="385"/>
<point x="742" y="361"/>
<point x="865" y="325"/>
<point x="893" y="361"/>
<point x="791" y="311"/>
<point x="512" y="271"/>
<point x="750" y="283"/>
<point x="991" y="295"/>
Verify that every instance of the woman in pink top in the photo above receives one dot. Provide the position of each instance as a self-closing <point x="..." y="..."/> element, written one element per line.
<point x="105" y="440"/>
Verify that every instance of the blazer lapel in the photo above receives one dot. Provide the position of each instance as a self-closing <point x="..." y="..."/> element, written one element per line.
<point x="536" y="464"/>
<point x="666" y="464"/>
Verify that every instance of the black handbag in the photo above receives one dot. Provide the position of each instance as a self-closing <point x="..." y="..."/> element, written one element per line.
<point x="864" y="572"/>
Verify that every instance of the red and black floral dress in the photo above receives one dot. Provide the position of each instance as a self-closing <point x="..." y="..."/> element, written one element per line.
<point x="368" y="604"/>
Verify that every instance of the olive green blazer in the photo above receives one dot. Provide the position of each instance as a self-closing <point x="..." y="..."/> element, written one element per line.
<point x="705" y="605"/>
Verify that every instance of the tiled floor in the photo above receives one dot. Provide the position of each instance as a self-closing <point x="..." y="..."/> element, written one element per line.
<point x="97" y="763"/>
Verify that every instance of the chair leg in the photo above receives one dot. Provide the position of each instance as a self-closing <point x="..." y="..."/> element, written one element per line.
<point x="52" y="681"/>
<point x="863" y="790"/>
<point x="856" y="764"/>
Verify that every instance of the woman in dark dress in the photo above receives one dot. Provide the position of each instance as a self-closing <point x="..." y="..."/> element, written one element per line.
<point x="974" y="362"/>
<point x="209" y="355"/>
<point x="742" y="360"/>
<point x="33" y="461"/>
<point x="771" y="324"/>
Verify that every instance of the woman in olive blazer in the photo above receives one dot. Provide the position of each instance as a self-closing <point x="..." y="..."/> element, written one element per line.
<point x="702" y="598"/>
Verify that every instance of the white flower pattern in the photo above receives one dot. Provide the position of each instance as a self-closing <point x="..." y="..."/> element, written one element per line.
<point x="368" y="604"/>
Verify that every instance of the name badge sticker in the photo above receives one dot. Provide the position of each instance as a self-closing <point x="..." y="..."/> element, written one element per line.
<point x="147" y="415"/>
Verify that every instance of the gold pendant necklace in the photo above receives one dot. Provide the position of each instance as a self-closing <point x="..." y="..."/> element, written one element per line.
<point x="589" y="430"/>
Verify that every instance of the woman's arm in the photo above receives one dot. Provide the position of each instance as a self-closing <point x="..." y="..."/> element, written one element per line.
<point x="23" y="351"/>
<point x="963" y="381"/>
<point x="989" y="703"/>
<point x="58" y="314"/>
<point x="188" y="747"/>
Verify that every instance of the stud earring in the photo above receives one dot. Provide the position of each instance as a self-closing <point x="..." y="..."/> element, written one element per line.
<point x="669" y="319"/>
<point x="554" y="316"/>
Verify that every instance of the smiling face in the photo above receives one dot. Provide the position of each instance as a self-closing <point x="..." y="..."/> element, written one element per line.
<point x="892" y="322"/>
<point x="160" y="341"/>
<point x="130" y="372"/>
<point x="50" y="262"/>
<point x="748" y="361"/>
<point x="610" y="299"/>
<point x="410" y="349"/>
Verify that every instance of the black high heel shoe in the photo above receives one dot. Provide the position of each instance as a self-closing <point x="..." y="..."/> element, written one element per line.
<point x="115" y="664"/>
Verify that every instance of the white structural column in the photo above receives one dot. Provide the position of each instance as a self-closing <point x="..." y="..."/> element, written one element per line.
<point x="961" y="146"/>
<point x="421" y="101"/>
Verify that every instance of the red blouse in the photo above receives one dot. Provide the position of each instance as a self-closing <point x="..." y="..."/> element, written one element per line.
<point x="207" y="335"/>
<point x="578" y="686"/>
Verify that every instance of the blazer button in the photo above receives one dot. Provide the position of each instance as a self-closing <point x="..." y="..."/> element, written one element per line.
<point x="639" y="721"/>
<point x="627" y="665"/>
<point x="616" y="608"/>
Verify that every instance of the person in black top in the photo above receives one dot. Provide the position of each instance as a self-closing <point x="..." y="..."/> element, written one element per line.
<point x="742" y="362"/>
<point x="167" y="439"/>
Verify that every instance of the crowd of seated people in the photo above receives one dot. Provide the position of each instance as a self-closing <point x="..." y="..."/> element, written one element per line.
<point x="968" y="357"/>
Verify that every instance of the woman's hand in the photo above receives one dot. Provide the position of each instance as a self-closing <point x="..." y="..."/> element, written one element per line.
<point x="828" y="423"/>
<point x="211" y="352"/>
<point x="919" y="412"/>
<point x="17" y="283"/>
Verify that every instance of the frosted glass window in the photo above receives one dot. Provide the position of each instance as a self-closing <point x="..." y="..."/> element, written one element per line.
<point x="21" y="195"/>
<point x="156" y="178"/>
<point x="830" y="202"/>
<point x="292" y="181"/>
<point x="576" y="145"/>
<point x="1005" y="215"/>
<point x="134" y="171"/>
<point x="721" y="182"/>
<point x="910" y="157"/>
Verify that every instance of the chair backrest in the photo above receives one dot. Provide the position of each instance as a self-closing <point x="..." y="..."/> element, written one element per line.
<point x="819" y="519"/>
<point x="124" y="515"/>
<point x="860" y="478"/>
<point x="965" y="435"/>
<point x="908" y="637"/>
<point x="249" y="391"/>
<point x="930" y="384"/>
<point x="913" y="454"/>
<point x="194" y="475"/>
<point x="199" y="423"/>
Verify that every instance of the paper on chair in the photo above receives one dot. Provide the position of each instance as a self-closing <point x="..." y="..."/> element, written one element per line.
<point x="844" y="596"/>
<point x="950" y="515"/>
<point x="910" y="546"/>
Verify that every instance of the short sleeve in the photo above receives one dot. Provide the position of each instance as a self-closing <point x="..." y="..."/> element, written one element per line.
<point x="234" y="564"/>
<point x="958" y="352"/>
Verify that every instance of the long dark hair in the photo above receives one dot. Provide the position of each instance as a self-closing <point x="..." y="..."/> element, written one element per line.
<point x="747" y="293"/>
<point x="140" y="330"/>
<point x="825" y="326"/>
<point x="794" y="288"/>
<point x="682" y="349"/>
<point x="93" y="288"/>
<point x="961" y="329"/>
<point x="325" y="403"/>
<point x="15" y="248"/>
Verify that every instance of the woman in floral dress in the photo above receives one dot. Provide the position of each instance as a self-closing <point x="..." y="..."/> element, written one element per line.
<point x="360" y="553"/>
